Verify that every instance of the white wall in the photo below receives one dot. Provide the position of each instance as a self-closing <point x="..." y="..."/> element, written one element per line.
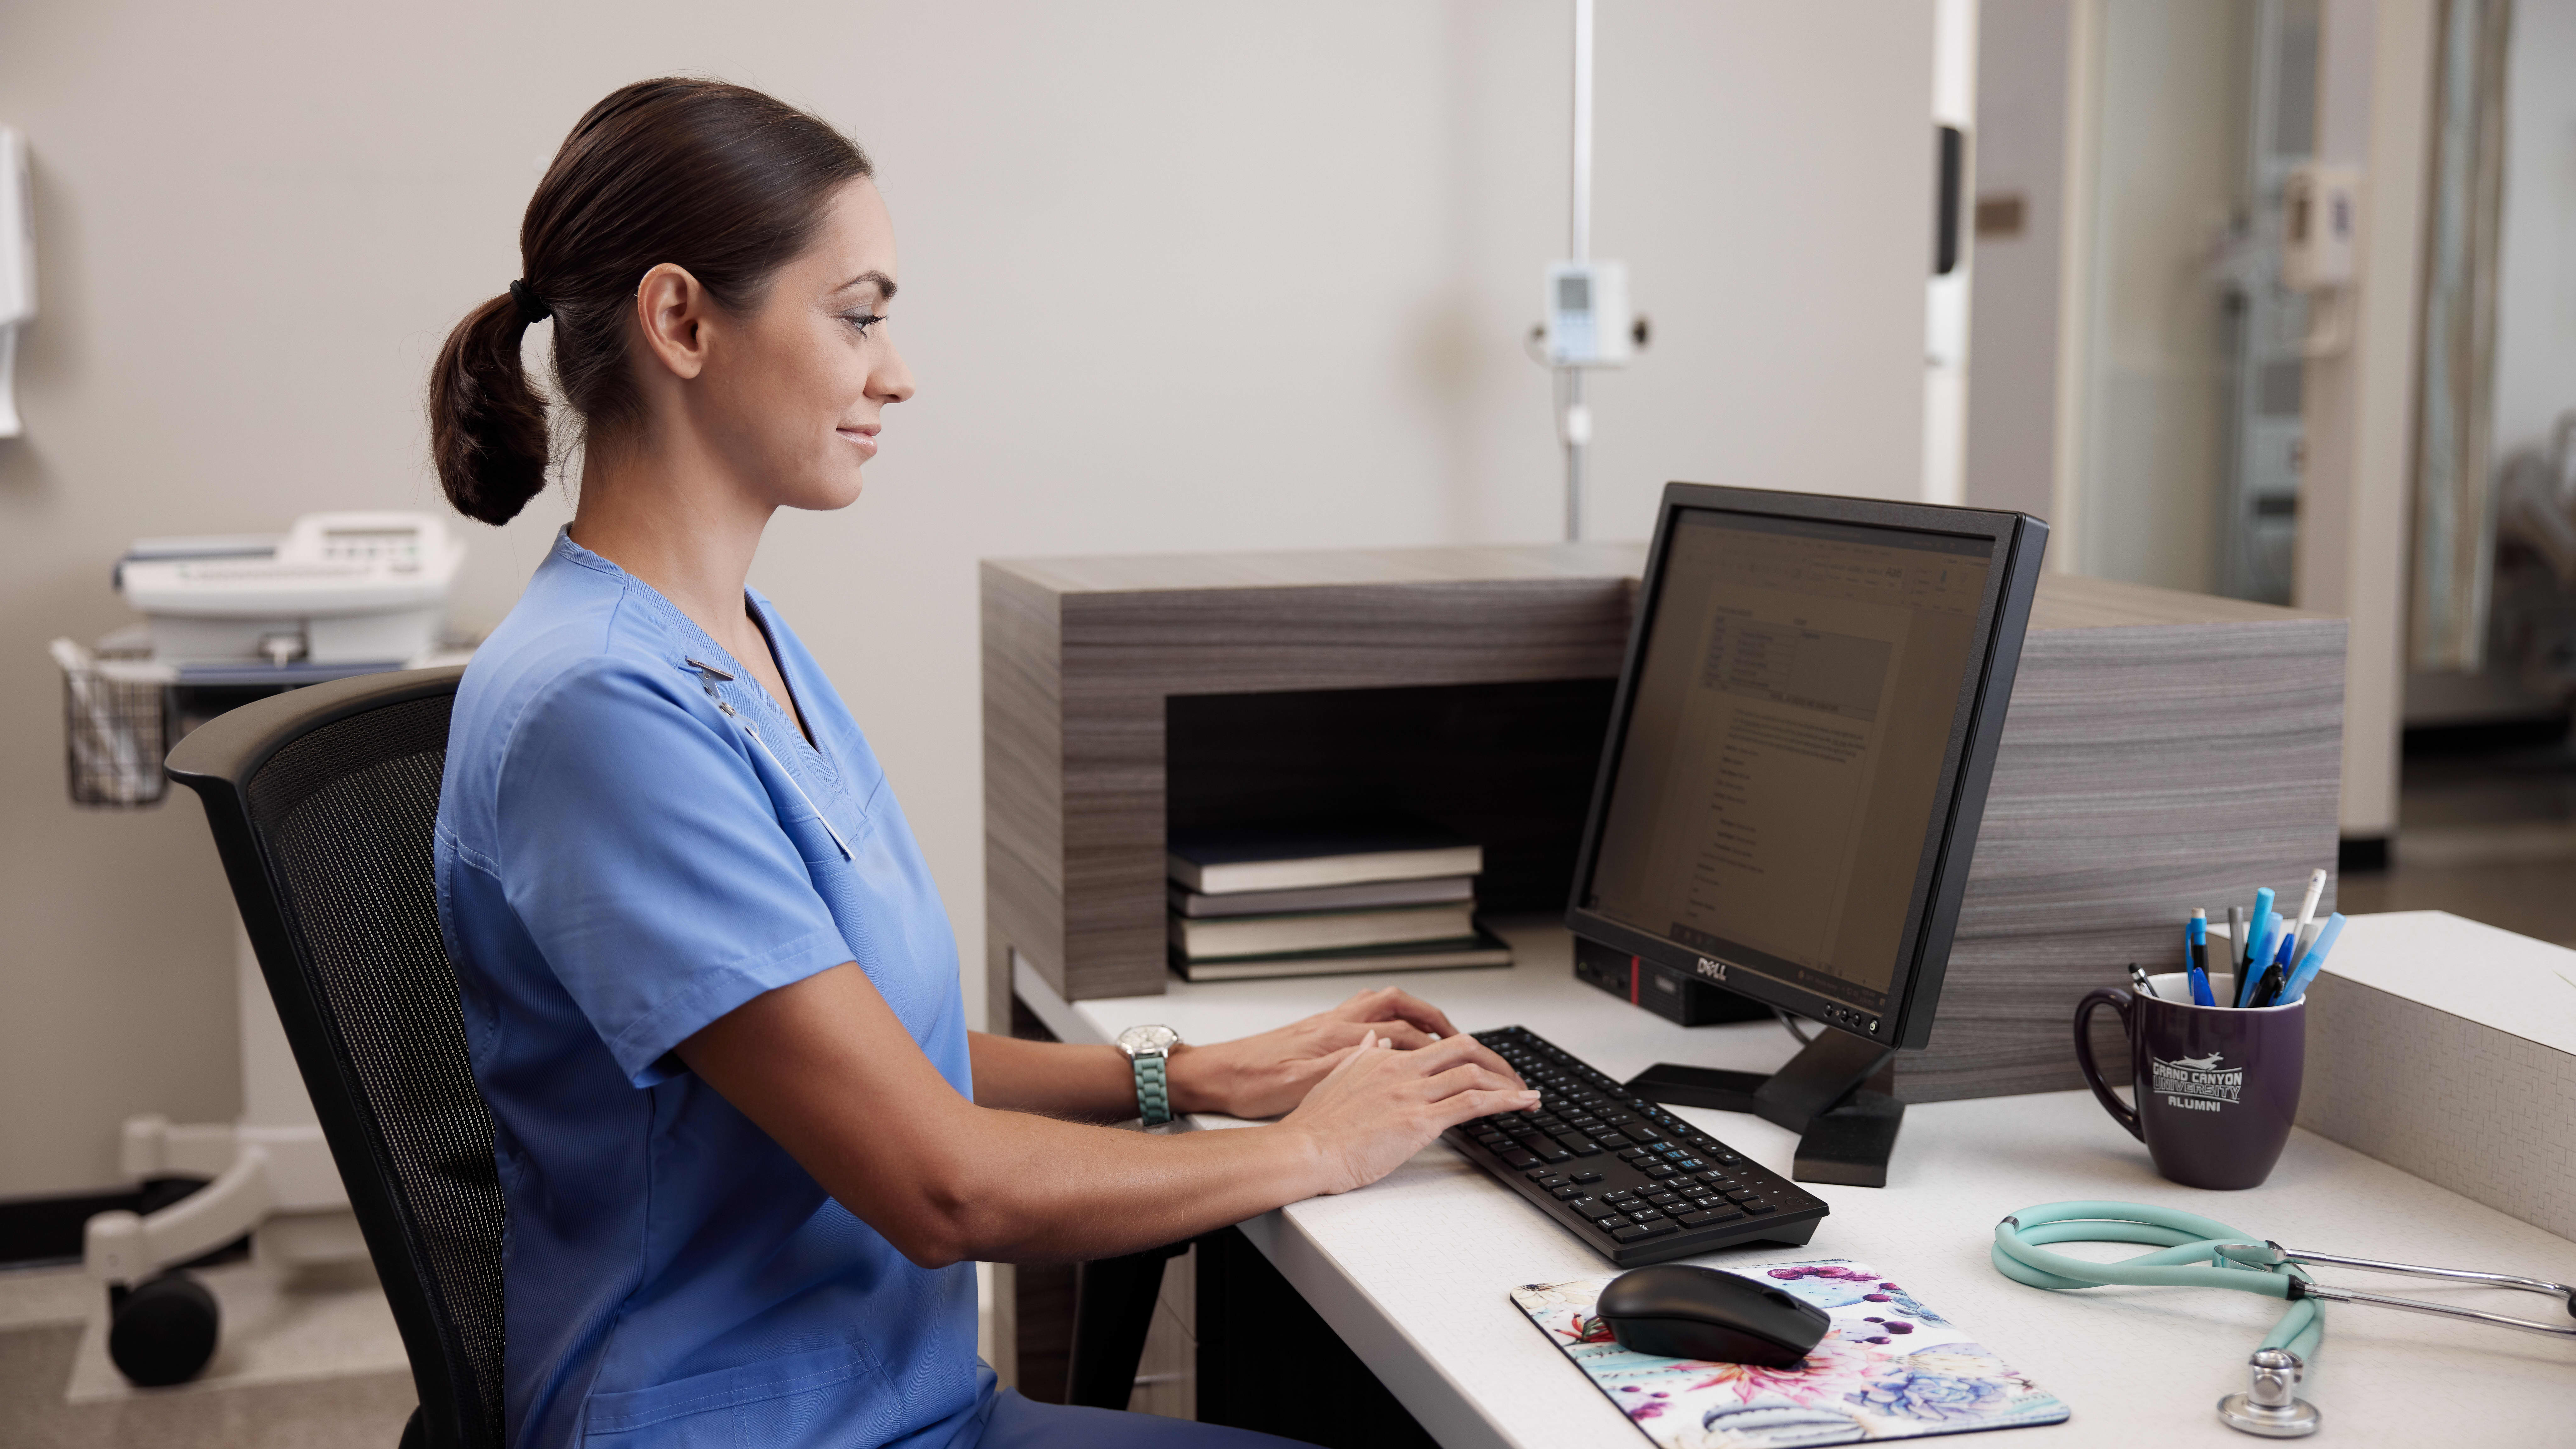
<point x="2535" y="378"/>
<point x="1176" y="276"/>
<point x="2023" y="55"/>
<point x="2171" y="138"/>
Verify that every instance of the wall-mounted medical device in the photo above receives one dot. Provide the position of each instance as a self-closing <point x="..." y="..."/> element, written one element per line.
<point x="339" y="588"/>
<point x="2320" y="226"/>
<point x="1588" y="321"/>
<point x="2320" y="215"/>
<point x="17" y="269"/>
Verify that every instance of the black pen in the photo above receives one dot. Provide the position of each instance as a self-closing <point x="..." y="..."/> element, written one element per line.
<point x="2267" y="992"/>
<point x="2138" y="979"/>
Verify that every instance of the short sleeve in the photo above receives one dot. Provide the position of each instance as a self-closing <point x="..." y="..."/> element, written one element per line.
<point x="641" y="851"/>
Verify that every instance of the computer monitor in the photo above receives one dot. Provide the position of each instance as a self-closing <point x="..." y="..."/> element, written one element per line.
<point x="1796" y="767"/>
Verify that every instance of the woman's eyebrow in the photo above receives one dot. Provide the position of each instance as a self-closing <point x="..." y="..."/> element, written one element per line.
<point x="885" y="284"/>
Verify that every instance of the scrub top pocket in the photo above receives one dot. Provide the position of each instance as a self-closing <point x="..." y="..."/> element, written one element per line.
<point x="815" y="842"/>
<point x="838" y="1395"/>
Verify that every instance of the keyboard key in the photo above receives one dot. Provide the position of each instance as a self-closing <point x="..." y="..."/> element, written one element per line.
<point x="1629" y="1154"/>
<point x="1568" y="1193"/>
<point x="1757" y="1206"/>
<point x="1553" y="1154"/>
<point x="1643" y="1211"/>
<point x="1659" y="1171"/>
<point x="1519" y="1159"/>
<point x="1689" y="1164"/>
<point x="1595" y="1209"/>
<point x="1709" y="1218"/>
<point x="1580" y="1147"/>
<point x="1629" y="1232"/>
<point x="1642" y="1133"/>
<point x="1545" y="1178"/>
<point x="1738" y="1194"/>
<point x="1587" y="1177"/>
<point x="1658" y="1225"/>
<point x="1663" y="1199"/>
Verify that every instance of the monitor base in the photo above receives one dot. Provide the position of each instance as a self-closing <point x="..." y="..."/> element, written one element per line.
<point x="1846" y="1130"/>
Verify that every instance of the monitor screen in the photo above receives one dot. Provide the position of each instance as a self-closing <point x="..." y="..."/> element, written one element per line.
<point x="1789" y="744"/>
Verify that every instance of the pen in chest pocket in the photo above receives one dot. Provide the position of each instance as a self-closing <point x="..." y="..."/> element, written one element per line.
<point x="707" y="675"/>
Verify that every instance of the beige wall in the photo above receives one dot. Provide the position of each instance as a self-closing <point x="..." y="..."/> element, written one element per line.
<point x="1176" y="276"/>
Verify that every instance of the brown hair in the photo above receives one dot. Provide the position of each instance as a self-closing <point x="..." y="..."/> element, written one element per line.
<point x="719" y="179"/>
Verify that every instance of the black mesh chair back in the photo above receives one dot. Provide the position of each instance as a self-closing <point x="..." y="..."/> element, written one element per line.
<point x="323" y="801"/>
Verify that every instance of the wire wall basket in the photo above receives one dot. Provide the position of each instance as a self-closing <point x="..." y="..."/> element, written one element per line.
<point x="116" y="727"/>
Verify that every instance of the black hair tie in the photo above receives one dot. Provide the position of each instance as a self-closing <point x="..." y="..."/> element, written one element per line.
<point x="532" y="309"/>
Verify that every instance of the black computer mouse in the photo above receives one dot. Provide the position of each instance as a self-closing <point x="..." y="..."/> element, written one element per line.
<point x="1675" y="1310"/>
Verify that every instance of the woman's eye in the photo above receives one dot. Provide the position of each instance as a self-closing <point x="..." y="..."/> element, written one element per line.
<point x="860" y="322"/>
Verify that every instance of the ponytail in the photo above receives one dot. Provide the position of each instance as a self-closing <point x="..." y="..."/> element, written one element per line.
<point x="726" y="182"/>
<point x="487" y="426"/>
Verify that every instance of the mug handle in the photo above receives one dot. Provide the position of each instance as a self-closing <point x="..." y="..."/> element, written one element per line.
<point x="2119" y="1001"/>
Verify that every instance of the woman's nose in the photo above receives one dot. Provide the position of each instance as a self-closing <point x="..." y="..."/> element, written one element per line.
<point x="893" y="379"/>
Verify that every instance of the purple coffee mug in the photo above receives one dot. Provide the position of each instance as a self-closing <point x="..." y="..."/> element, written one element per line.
<point x="2217" y="1086"/>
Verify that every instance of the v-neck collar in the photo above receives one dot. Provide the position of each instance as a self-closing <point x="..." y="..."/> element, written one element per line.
<point x="796" y="716"/>
<point x="757" y="608"/>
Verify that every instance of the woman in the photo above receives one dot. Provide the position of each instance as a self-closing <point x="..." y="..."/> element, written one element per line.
<point x="749" y="1150"/>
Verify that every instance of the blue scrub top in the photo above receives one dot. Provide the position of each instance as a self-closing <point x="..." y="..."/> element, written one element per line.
<point x="620" y="863"/>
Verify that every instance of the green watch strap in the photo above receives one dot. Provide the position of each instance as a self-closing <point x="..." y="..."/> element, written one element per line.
<point x="1153" y="1098"/>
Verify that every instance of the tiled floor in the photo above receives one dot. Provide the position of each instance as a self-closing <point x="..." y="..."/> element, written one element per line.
<point x="364" y="1412"/>
<point x="2489" y="837"/>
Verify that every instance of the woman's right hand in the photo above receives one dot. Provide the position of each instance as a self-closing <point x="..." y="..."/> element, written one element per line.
<point x="1378" y="1106"/>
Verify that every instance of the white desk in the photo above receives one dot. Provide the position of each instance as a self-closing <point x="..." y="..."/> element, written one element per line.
<point x="1412" y="1272"/>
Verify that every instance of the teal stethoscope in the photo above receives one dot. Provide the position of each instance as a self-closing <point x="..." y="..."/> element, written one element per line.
<point x="2196" y="1252"/>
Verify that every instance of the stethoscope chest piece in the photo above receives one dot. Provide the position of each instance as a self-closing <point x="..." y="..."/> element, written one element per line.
<point x="2270" y="1405"/>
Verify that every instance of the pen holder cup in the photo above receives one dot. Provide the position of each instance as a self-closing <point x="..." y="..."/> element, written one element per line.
<point x="2217" y="1087"/>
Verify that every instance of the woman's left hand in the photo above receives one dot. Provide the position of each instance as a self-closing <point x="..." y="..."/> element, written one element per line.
<point x="1266" y="1075"/>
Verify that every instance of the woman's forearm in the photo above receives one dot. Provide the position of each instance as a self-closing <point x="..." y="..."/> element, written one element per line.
<point x="1017" y="1188"/>
<point x="824" y="1067"/>
<point x="1089" y="1083"/>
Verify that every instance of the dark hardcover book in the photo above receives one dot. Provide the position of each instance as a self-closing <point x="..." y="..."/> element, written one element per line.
<point x="1484" y="949"/>
<point x="1358" y="896"/>
<point x="1228" y="861"/>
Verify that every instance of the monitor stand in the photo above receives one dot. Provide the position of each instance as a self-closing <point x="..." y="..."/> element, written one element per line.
<point x="1846" y="1129"/>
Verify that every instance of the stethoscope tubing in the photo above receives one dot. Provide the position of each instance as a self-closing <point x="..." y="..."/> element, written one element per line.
<point x="2187" y="1256"/>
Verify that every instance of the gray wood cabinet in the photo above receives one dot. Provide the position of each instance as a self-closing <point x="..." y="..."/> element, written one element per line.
<point x="2162" y="751"/>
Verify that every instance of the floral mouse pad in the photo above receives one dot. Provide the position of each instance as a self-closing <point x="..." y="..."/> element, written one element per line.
<point x="1889" y="1368"/>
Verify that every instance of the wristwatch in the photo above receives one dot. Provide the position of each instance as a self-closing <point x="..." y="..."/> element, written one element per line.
<point x="1149" y="1051"/>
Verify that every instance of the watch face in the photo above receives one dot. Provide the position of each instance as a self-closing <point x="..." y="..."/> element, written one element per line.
<point x="1138" y="1040"/>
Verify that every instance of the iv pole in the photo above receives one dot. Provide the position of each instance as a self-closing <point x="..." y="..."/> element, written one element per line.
<point x="1575" y="419"/>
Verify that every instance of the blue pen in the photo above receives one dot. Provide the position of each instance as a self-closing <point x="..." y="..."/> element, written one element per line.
<point x="2262" y="913"/>
<point x="2268" y="940"/>
<point x="2315" y="960"/>
<point x="2201" y="995"/>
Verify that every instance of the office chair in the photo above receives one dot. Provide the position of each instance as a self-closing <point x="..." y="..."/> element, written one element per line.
<point x="322" y="802"/>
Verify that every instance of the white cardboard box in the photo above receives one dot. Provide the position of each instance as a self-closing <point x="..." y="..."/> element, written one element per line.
<point x="2447" y="1049"/>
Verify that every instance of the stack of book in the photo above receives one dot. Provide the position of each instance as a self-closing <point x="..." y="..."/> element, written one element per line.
<point x="1320" y="901"/>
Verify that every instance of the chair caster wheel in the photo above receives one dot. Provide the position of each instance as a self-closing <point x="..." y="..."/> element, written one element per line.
<point x="162" y="1330"/>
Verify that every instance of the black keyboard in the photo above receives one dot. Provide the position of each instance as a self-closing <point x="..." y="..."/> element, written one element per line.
<point x="1634" y="1182"/>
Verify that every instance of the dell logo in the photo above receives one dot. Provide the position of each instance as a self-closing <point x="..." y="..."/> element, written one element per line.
<point x="1713" y="969"/>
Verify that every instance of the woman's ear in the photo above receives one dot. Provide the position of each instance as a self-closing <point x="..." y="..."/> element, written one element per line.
<point x="672" y="311"/>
